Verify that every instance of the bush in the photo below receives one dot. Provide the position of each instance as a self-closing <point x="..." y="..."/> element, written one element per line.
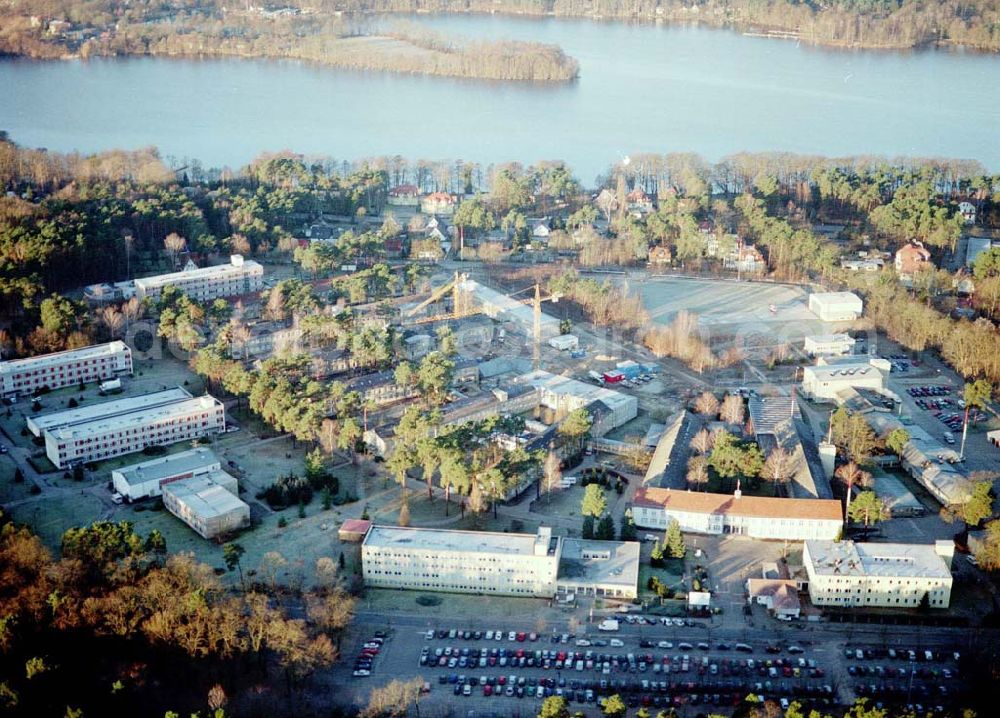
<point x="36" y="489"/>
<point x="72" y="403"/>
<point x="288" y="491"/>
<point x="282" y="522"/>
<point x="154" y="450"/>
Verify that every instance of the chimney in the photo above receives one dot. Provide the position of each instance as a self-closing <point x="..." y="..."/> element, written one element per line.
<point x="738" y="493"/>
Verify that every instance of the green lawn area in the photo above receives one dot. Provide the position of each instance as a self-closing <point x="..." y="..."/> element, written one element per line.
<point x="671" y="574"/>
<point x="9" y="491"/>
<point x="749" y="487"/>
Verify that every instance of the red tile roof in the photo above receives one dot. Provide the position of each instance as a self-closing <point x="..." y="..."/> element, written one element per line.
<point x="750" y="506"/>
<point x="405" y="190"/>
<point x="355" y="526"/>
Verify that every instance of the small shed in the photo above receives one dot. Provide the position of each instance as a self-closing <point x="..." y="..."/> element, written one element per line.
<point x="699" y="600"/>
<point x="564" y="342"/>
<point x="354" y="530"/>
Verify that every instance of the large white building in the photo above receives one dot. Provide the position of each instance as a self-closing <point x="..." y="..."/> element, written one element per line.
<point x="41" y="423"/>
<point x="462" y="561"/>
<point x="240" y="276"/>
<point x="509" y="564"/>
<point x="829" y="344"/>
<point x="829" y="376"/>
<point x="753" y="516"/>
<point x="209" y="504"/>
<point x="67" y="368"/>
<point x="128" y="425"/>
<point x="850" y="575"/>
<point x="500" y="306"/>
<point x="836" y="306"/>
<point x="147" y="478"/>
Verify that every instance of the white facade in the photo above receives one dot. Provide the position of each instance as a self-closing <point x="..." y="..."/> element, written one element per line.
<point x="41" y="423"/>
<point x="850" y="575"/>
<point x="823" y="381"/>
<point x="836" y="306"/>
<point x="238" y="277"/>
<point x="564" y="342"/>
<point x="128" y="431"/>
<point x="567" y="394"/>
<point x="67" y="368"/>
<point x="753" y="516"/>
<point x="829" y="344"/>
<point x="462" y="561"/>
<point x="148" y="478"/>
<point x="209" y="504"/>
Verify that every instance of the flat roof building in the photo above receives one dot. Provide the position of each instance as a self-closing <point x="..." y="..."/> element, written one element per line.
<point x="829" y="344"/>
<point x="462" y="561"/>
<point x="753" y="516"/>
<point x="836" y="306"/>
<point x="147" y="478"/>
<point x="126" y="429"/>
<point x="83" y="414"/>
<point x="567" y="394"/>
<point x="599" y="568"/>
<point x="66" y="368"/>
<point x="892" y="575"/>
<point x="825" y="379"/>
<point x="500" y="306"/>
<point x="209" y="504"/>
<point x="240" y="276"/>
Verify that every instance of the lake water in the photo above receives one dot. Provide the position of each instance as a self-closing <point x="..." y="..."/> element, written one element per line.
<point x="642" y="88"/>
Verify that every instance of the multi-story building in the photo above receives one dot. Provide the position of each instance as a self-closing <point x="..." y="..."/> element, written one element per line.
<point x="67" y="368"/>
<point x="462" y="561"/>
<point x="149" y="477"/>
<point x="131" y="427"/>
<point x="240" y="276"/>
<point x="37" y="425"/>
<point x="209" y="504"/>
<point x="753" y="516"/>
<point x="850" y="575"/>
<point x="540" y="564"/>
<point x="912" y="258"/>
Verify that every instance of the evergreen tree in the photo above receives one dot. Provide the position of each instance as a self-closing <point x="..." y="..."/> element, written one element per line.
<point x="656" y="555"/>
<point x="606" y="529"/>
<point x="588" y="527"/>
<point x="674" y="541"/>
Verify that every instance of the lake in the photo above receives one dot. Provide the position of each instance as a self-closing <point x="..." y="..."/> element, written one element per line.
<point x="642" y="88"/>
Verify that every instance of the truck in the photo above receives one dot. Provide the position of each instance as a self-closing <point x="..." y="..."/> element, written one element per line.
<point x="599" y="378"/>
<point x="111" y="386"/>
<point x="608" y="624"/>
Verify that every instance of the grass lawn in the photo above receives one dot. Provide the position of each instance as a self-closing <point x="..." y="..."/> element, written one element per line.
<point x="749" y="487"/>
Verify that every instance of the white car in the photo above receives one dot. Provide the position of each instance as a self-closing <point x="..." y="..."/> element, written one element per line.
<point x="664" y="644"/>
<point x="117" y="498"/>
<point x="512" y="636"/>
<point x="489" y="635"/>
<point x="582" y="642"/>
<point x="616" y="643"/>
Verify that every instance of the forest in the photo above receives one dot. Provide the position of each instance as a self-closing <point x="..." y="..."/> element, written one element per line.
<point x="211" y="29"/>
<point x="117" y="626"/>
<point x="889" y="24"/>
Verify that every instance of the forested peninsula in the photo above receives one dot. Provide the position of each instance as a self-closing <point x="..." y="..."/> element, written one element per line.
<point x="53" y="29"/>
<point x="315" y="29"/>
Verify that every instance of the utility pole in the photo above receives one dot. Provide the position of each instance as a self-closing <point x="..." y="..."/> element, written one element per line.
<point x="537" y="350"/>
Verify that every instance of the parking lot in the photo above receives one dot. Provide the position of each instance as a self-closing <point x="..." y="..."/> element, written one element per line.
<point x="509" y="672"/>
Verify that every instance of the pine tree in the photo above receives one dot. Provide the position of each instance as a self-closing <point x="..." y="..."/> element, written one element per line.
<point x="588" y="527"/>
<point x="656" y="555"/>
<point x="674" y="541"/>
<point x="606" y="529"/>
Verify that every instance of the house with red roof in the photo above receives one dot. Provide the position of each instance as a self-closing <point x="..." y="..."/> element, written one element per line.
<point x="438" y="203"/>
<point x="911" y="259"/>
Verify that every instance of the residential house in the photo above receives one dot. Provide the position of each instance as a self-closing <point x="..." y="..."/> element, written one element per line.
<point x="660" y="255"/>
<point x="912" y="258"/>
<point x="968" y="212"/>
<point x="404" y="195"/>
<point x="438" y="203"/>
<point x="541" y="229"/>
<point x="746" y="258"/>
<point x="780" y="596"/>
<point x="639" y="201"/>
<point x="863" y="264"/>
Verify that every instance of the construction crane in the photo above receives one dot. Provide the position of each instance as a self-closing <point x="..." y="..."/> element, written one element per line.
<point x="462" y="307"/>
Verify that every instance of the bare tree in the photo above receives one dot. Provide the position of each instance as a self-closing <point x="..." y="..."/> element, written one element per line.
<point x="697" y="471"/>
<point x="702" y="441"/>
<point x="733" y="410"/>
<point x="552" y="474"/>
<point x="113" y="320"/>
<point x="852" y="474"/>
<point x="706" y="404"/>
<point x="174" y="244"/>
<point x="778" y="468"/>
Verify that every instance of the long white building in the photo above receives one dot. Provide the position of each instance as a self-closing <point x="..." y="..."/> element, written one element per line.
<point x="564" y="393"/>
<point x="240" y="276"/>
<point x="462" y="561"/>
<point x="41" y="423"/>
<point x="888" y="575"/>
<point x="131" y="425"/>
<point x="753" y="516"/>
<point x="148" y="478"/>
<point x="829" y="344"/>
<point x="66" y="368"/>
<point x="539" y="565"/>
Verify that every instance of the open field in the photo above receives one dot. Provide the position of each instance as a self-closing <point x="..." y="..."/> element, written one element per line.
<point x="727" y="308"/>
